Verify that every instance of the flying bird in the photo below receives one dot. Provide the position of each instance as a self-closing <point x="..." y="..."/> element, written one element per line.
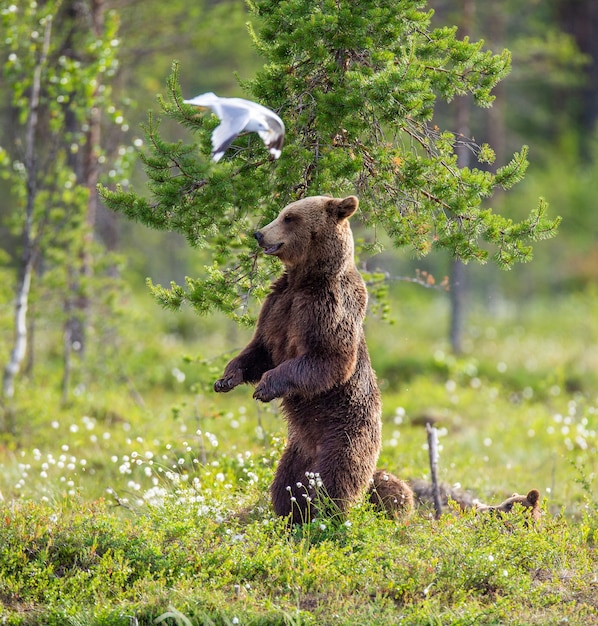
<point x="238" y="115"/>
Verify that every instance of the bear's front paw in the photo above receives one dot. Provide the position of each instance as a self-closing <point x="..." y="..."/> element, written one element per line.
<point x="228" y="382"/>
<point x="265" y="391"/>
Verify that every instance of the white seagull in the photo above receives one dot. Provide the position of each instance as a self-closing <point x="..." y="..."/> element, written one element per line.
<point x="238" y="115"/>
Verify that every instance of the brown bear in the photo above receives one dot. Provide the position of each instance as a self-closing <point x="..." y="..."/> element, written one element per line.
<point x="309" y="350"/>
<point x="530" y="504"/>
<point x="423" y="494"/>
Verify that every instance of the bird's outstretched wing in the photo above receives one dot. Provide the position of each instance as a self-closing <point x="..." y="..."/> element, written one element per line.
<point x="233" y="122"/>
<point x="237" y="115"/>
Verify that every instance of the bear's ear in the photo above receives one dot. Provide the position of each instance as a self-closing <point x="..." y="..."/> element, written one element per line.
<point x="345" y="208"/>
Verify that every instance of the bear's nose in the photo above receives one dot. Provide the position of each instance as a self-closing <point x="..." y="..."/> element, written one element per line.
<point x="258" y="236"/>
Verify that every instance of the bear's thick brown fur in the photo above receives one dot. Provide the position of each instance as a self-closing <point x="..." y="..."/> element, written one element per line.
<point x="530" y="504"/>
<point x="391" y="494"/>
<point x="309" y="350"/>
<point x="423" y="494"/>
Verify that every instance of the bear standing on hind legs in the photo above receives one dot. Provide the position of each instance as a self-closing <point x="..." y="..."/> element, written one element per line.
<point x="309" y="350"/>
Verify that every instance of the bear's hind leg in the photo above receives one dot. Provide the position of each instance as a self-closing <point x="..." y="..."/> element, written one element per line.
<point x="287" y="496"/>
<point x="345" y="476"/>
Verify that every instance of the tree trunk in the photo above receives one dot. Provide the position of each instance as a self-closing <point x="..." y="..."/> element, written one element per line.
<point x="581" y="20"/>
<point x="19" y="349"/>
<point x="90" y="176"/>
<point x="496" y="131"/>
<point x="458" y="298"/>
<point x="77" y="302"/>
<point x="30" y="362"/>
<point x="458" y="270"/>
<point x="20" y="343"/>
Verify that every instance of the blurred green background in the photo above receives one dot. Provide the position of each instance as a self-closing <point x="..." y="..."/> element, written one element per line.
<point x="517" y="403"/>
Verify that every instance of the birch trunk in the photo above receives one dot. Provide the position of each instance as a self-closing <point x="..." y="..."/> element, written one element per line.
<point x="20" y="343"/>
<point x="19" y="349"/>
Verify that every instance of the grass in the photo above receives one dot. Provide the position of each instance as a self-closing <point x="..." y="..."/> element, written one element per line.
<point x="145" y="501"/>
<point x="86" y="563"/>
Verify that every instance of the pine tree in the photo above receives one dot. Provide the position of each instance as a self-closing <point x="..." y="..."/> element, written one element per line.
<point x="356" y="84"/>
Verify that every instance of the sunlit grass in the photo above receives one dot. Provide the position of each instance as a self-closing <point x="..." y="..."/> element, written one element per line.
<point x="147" y="495"/>
<point x="507" y="416"/>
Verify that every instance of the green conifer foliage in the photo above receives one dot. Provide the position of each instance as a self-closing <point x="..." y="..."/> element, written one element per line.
<point x="356" y="84"/>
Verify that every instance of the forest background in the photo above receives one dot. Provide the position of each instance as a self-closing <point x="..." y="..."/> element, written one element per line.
<point x="108" y="376"/>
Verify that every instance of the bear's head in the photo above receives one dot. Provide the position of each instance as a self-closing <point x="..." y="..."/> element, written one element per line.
<point x="311" y="232"/>
<point x="529" y="503"/>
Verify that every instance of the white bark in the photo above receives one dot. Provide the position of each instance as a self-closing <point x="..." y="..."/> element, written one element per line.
<point x="20" y="346"/>
<point x="19" y="350"/>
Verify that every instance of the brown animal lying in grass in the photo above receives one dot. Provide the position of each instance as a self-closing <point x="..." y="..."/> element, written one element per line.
<point x="529" y="501"/>
<point x="423" y="496"/>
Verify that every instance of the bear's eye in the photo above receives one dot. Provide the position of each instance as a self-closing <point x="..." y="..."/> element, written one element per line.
<point x="287" y="219"/>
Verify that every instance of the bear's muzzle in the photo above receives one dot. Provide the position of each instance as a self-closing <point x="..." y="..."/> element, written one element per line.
<point x="273" y="249"/>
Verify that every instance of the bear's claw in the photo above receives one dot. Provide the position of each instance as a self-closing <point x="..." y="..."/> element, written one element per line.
<point x="263" y="394"/>
<point x="232" y="377"/>
<point x="223" y="385"/>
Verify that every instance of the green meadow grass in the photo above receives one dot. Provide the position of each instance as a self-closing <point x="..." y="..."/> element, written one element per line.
<point x="145" y="501"/>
